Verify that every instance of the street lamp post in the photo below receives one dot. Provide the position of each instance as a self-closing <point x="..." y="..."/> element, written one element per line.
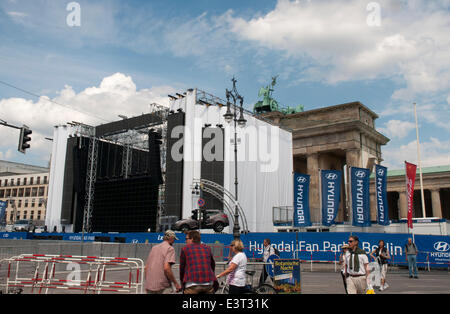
<point x="231" y="115"/>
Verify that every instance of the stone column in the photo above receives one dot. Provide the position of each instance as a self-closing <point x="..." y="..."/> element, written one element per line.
<point x="353" y="159"/>
<point x="436" y="203"/>
<point x="373" y="207"/>
<point x="402" y="205"/>
<point x="314" y="201"/>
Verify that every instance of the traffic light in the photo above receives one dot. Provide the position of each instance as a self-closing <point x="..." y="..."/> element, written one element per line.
<point x="24" y="138"/>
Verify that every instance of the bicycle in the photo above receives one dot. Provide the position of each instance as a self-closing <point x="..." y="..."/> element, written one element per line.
<point x="264" y="288"/>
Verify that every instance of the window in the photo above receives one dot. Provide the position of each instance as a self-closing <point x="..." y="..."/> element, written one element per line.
<point x="39" y="215"/>
<point x="18" y="181"/>
<point x="45" y="179"/>
<point x="8" y="193"/>
<point x="24" y="181"/>
<point x="20" y="192"/>
<point x="26" y="203"/>
<point x="34" y="192"/>
<point x="38" y="180"/>
<point x="12" y="182"/>
<point x="41" y="191"/>
<point x="2" y="193"/>
<point x="25" y="215"/>
<point x="33" y="202"/>
<point x="14" y="193"/>
<point x="27" y="192"/>
<point x="19" y="204"/>
<point x="31" y="180"/>
<point x="32" y="215"/>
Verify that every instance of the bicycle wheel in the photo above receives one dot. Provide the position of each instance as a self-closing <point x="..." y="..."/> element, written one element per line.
<point x="265" y="289"/>
<point x="224" y="290"/>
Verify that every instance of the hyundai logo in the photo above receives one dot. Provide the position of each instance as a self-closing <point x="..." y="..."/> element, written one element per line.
<point x="331" y="176"/>
<point x="441" y="246"/>
<point x="301" y="180"/>
<point x="360" y="174"/>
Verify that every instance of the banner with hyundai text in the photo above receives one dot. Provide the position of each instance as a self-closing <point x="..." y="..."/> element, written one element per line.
<point x="360" y="183"/>
<point x="330" y="194"/>
<point x="3" y="205"/>
<point x="381" y="193"/>
<point x="301" y="200"/>
<point x="410" y="180"/>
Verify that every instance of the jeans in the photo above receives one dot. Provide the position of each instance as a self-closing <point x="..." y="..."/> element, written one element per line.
<point x="412" y="265"/>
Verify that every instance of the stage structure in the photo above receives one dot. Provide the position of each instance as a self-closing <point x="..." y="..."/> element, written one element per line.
<point x="134" y="174"/>
<point x="108" y="178"/>
<point x="200" y="151"/>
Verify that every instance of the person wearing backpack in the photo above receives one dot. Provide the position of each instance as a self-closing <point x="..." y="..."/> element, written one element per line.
<point x="268" y="251"/>
<point x="411" y="252"/>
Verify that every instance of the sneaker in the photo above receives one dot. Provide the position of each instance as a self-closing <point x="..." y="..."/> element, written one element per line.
<point x="381" y="288"/>
<point x="385" y="286"/>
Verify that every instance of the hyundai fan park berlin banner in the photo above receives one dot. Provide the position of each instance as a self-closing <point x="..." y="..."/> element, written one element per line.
<point x="301" y="200"/>
<point x="360" y="181"/>
<point x="381" y="193"/>
<point x="410" y="179"/>
<point x="3" y="206"/>
<point x="331" y="195"/>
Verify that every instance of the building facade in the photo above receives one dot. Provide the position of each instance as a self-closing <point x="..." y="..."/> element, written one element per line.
<point x="26" y="195"/>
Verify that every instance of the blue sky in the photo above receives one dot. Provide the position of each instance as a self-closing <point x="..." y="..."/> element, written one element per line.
<point x="126" y="54"/>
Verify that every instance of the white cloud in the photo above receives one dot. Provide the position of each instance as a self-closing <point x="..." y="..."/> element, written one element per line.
<point x="412" y="41"/>
<point x="397" y="129"/>
<point x="116" y="95"/>
<point x="433" y="153"/>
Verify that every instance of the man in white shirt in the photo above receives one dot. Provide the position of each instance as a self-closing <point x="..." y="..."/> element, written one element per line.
<point x="268" y="251"/>
<point x="356" y="267"/>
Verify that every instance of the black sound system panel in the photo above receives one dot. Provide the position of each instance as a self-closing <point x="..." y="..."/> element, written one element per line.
<point x="125" y="205"/>
<point x="174" y="169"/>
<point x="120" y="204"/>
<point x="212" y="170"/>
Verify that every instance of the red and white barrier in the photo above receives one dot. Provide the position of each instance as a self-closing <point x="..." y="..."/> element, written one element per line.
<point x="95" y="282"/>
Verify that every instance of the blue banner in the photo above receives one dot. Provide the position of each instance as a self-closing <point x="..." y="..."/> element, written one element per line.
<point x="360" y="182"/>
<point x="301" y="200"/>
<point x="3" y="205"/>
<point x="434" y="251"/>
<point x="331" y="195"/>
<point x="381" y="192"/>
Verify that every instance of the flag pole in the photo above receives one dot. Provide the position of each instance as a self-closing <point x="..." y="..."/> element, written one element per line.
<point x="420" y="166"/>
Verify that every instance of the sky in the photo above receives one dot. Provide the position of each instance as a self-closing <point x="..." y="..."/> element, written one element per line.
<point x="92" y="60"/>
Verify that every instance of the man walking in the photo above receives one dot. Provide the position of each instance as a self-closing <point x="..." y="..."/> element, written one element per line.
<point x="197" y="266"/>
<point x="158" y="268"/>
<point x="268" y="251"/>
<point x="411" y="252"/>
<point x="356" y="267"/>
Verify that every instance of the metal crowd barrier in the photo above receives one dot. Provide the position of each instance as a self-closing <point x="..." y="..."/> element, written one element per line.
<point x="44" y="276"/>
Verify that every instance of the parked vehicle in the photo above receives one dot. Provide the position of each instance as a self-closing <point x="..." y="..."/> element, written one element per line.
<point x="23" y="225"/>
<point x="203" y="219"/>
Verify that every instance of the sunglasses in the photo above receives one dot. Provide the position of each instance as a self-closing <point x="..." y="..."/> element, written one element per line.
<point x="350" y="241"/>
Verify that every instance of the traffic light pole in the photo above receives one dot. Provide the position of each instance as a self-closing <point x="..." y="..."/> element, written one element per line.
<point x="24" y="137"/>
<point x="3" y="122"/>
